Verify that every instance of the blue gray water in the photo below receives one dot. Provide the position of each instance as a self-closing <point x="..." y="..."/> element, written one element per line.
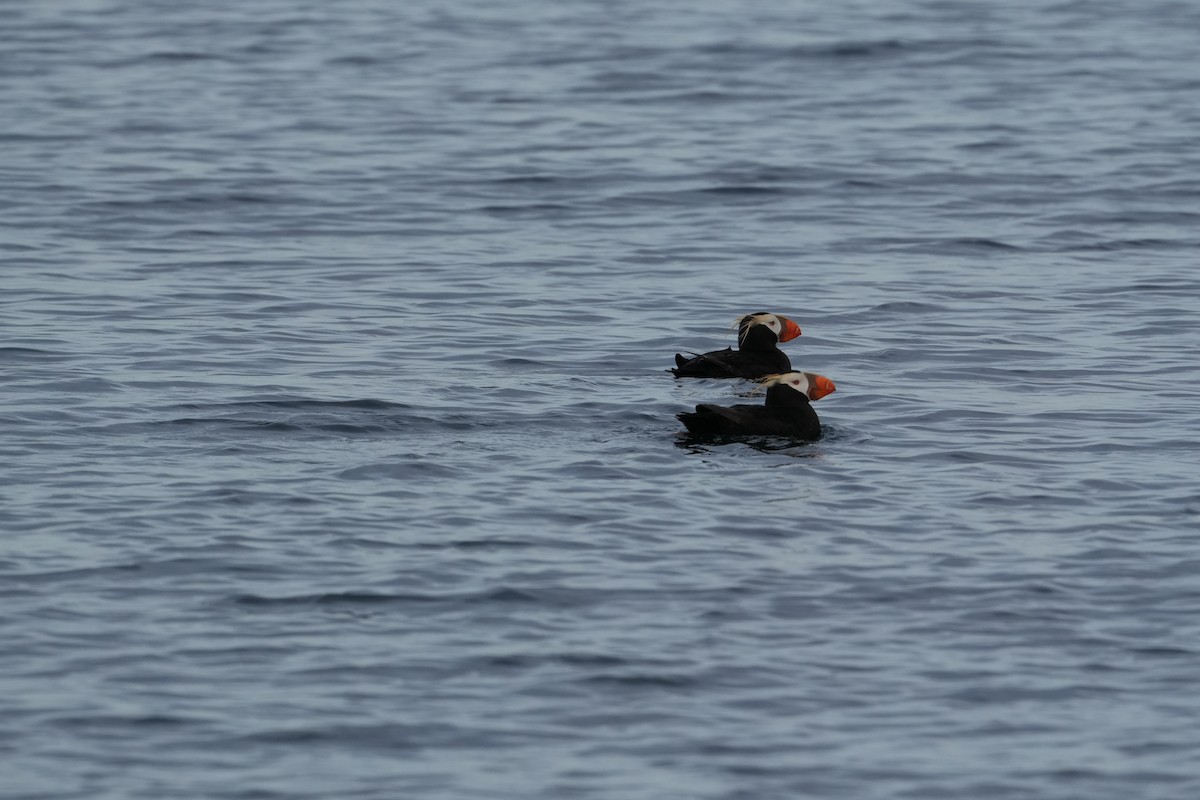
<point x="338" y="455"/>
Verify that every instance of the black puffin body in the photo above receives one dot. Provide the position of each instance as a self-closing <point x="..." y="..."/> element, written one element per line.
<point x="757" y="356"/>
<point x="758" y="352"/>
<point x="786" y="412"/>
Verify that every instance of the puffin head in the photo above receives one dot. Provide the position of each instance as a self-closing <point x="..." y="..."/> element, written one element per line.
<point x="809" y="384"/>
<point x="784" y="329"/>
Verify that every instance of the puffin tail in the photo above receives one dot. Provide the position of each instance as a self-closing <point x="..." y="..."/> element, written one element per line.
<point x="701" y="421"/>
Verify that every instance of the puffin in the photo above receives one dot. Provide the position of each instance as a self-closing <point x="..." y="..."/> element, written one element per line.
<point x="787" y="411"/>
<point x="757" y="354"/>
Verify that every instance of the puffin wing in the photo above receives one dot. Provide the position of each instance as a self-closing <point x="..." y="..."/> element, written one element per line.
<point x="717" y="364"/>
<point x="748" y="420"/>
<point x="727" y="420"/>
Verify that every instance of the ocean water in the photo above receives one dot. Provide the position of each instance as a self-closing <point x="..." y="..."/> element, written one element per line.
<point x="339" y="458"/>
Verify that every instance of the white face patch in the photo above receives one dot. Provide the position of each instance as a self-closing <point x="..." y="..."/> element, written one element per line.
<point x="770" y="320"/>
<point x="793" y="380"/>
<point x="809" y="384"/>
<point x="750" y="320"/>
<point x="798" y="381"/>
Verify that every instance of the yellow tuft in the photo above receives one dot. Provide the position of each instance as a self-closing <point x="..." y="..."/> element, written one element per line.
<point x="766" y="382"/>
<point x="745" y="322"/>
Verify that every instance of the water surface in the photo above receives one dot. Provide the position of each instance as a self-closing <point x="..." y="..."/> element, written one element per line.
<point x="339" y="455"/>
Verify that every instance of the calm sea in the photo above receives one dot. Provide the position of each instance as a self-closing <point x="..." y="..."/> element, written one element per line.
<point x="338" y="455"/>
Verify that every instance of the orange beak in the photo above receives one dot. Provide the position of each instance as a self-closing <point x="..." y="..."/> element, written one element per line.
<point x="790" y="330"/>
<point x="821" y="386"/>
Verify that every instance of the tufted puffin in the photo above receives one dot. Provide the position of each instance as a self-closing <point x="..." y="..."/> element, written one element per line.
<point x="786" y="412"/>
<point x="757" y="354"/>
